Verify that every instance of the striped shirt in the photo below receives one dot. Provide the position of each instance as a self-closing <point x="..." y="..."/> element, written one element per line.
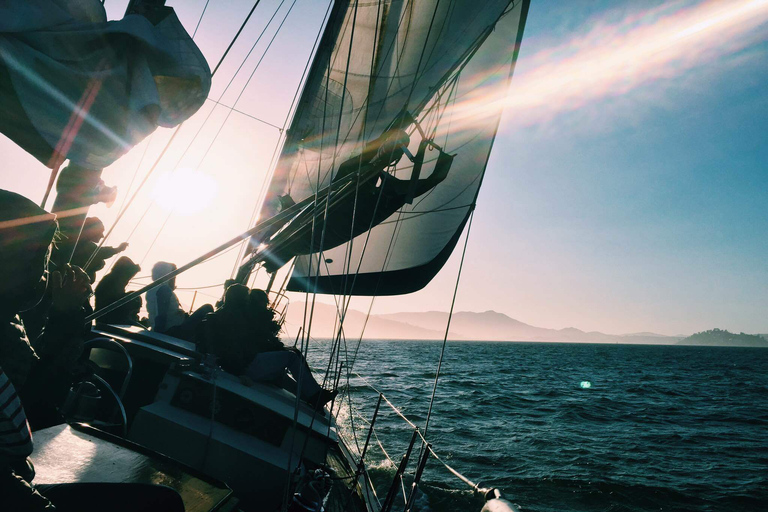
<point x="15" y="436"/>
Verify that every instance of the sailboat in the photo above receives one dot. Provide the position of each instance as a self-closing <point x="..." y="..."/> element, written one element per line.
<point x="377" y="178"/>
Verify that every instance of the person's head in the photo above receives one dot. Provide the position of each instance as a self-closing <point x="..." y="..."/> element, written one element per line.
<point x="236" y="297"/>
<point x="93" y="229"/>
<point x="161" y="269"/>
<point x="125" y="269"/>
<point x="26" y="234"/>
<point x="258" y="299"/>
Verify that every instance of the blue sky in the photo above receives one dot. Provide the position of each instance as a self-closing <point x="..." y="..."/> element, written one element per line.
<point x="627" y="190"/>
<point x="646" y="210"/>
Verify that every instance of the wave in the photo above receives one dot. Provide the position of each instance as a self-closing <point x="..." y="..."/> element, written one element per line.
<point x="655" y="431"/>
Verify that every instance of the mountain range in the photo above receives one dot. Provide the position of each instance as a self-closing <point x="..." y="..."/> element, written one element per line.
<point x="465" y="325"/>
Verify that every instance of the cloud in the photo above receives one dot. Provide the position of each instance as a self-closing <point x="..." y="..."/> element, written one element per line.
<point x="643" y="50"/>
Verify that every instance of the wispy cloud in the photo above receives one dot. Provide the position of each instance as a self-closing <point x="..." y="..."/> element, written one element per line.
<point x="616" y="58"/>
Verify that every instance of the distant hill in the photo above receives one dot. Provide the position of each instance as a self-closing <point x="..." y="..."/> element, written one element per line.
<point x="646" y="334"/>
<point x="495" y="326"/>
<point x="466" y="325"/>
<point x="324" y="325"/>
<point x="718" y="337"/>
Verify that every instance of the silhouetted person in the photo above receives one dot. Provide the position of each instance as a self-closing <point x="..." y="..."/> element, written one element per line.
<point x="40" y="370"/>
<point x="165" y="312"/>
<point x="77" y="189"/>
<point x="226" y="332"/>
<point x="88" y="248"/>
<point x="35" y="377"/>
<point x="111" y="288"/>
<point x="243" y="335"/>
<point x="265" y="329"/>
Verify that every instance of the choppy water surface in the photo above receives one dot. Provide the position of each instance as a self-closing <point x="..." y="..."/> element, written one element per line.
<point x="660" y="428"/>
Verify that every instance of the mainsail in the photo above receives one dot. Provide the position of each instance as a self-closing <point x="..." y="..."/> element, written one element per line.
<point x="391" y="139"/>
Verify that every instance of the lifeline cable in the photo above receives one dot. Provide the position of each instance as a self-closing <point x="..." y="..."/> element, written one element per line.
<point x="476" y="487"/>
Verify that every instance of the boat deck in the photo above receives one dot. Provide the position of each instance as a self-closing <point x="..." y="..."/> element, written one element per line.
<point x="65" y="454"/>
<point x="160" y="420"/>
<point x="342" y="497"/>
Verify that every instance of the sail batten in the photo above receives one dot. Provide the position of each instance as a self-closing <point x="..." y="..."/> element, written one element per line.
<point x="405" y="97"/>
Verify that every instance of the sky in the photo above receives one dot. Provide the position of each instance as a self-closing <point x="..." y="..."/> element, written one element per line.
<point x="627" y="190"/>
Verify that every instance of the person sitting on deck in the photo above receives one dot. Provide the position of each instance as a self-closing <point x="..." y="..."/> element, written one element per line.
<point x="243" y="334"/>
<point x="111" y="288"/>
<point x="64" y="253"/>
<point x="42" y="370"/>
<point x="164" y="309"/>
<point x="262" y="321"/>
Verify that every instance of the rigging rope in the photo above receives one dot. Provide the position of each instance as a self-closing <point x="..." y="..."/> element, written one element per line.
<point x="138" y="167"/>
<point x="447" y="327"/>
<point x="229" y="84"/>
<point x="348" y="253"/>
<point x="218" y="132"/>
<point x="246" y="114"/>
<point x="400" y="213"/>
<point x="348" y="261"/>
<point x="200" y="128"/>
<point x="167" y="144"/>
<point x="307" y="327"/>
<point x="154" y="240"/>
<point x="305" y="334"/>
<point x="476" y="487"/>
<point x="201" y="18"/>
<point x="232" y="43"/>
<point x="281" y="141"/>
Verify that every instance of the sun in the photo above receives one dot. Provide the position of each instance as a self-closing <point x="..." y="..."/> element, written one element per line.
<point x="184" y="191"/>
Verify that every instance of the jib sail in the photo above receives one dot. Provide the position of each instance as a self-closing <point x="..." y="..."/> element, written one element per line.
<point x="73" y="85"/>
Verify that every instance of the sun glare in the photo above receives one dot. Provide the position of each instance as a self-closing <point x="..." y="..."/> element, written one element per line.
<point x="184" y="191"/>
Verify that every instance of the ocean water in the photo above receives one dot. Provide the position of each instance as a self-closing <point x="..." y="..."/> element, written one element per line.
<point x="672" y="428"/>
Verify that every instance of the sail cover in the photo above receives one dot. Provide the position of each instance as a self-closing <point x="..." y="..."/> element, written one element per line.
<point x="436" y="69"/>
<point x="75" y="84"/>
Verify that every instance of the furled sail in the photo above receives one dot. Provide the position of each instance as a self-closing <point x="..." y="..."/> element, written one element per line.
<point x="73" y="85"/>
<point x="391" y="139"/>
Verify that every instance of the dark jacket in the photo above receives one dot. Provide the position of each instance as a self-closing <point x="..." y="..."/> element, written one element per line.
<point x="111" y="288"/>
<point x="237" y="332"/>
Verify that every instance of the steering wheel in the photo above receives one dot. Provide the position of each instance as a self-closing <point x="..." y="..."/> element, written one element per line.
<point x="114" y="347"/>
